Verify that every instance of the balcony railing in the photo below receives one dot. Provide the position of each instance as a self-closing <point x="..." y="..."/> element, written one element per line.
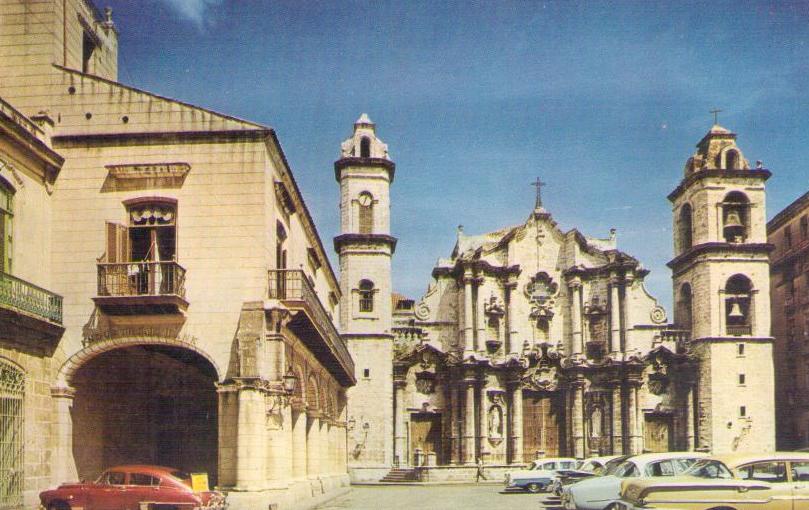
<point x="141" y="287"/>
<point x="29" y="298"/>
<point x="679" y="337"/>
<point x="739" y="329"/>
<point x="292" y="286"/>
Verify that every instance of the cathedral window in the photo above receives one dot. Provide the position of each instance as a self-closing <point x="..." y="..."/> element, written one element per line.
<point x="366" y="293"/>
<point x="684" y="308"/>
<point x="6" y="216"/>
<point x="738" y="298"/>
<point x="366" y="204"/>
<point x="365" y="147"/>
<point x="685" y="227"/>
<point x="735" y="217"/>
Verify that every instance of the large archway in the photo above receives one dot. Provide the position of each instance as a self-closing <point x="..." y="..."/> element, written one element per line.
<point x="145" y="404"/>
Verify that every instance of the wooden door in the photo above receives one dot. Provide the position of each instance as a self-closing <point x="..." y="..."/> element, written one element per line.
<point x="542" y="425"/>
<point x="657" y="436"/>
<point x="425" y="433"/>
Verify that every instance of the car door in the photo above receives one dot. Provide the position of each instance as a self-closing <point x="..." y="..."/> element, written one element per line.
<point x="109" y="493"/>
<point x="799" y="471"/>
<point x="142" y="487"/>
<point x="775" y="494"/>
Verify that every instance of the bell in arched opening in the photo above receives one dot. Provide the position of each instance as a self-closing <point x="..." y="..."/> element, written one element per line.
<point x="736" y="315"/>
<point x="734" y="226"/>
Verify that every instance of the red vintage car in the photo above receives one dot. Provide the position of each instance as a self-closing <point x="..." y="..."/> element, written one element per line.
<point x="133" y="487"/>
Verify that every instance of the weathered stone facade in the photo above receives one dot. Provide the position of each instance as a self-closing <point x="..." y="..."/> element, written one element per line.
<point x="788" y="232"/>
<point x="168" y="232"/>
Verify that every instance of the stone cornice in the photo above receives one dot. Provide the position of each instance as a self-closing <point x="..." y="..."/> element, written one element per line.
<point x="717" y="247"/>
<point x="734" y="339"/>
<point x="755" y="173"/>
<point x="372" y="239"/>
<point x="342" y="163"/>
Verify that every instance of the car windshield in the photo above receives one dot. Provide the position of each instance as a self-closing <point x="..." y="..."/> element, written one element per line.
<point x="626" y="470"/>
<point x="613" y="465"/>
<point x="709" y="469"/>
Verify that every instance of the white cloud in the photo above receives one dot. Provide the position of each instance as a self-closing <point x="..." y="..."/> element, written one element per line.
<point x="195" y="11"/>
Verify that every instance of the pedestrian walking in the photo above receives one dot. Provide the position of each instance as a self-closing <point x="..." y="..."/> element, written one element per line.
<point x="480" y="474"/>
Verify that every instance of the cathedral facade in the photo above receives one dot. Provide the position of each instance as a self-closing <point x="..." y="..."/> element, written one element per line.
<point x="537" y="341"/>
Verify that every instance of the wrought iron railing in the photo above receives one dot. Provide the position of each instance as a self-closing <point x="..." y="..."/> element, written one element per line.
<point x="30" y="298"/>
<point x="141" y="279"/>
<point x="739" y="329"/>
<point x="294" y="285"/>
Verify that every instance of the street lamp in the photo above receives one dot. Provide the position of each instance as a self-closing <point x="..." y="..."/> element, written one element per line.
<point x="290" y="381"/>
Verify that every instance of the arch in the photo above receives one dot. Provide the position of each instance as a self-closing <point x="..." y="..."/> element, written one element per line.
<point x="685" y="227"/>
<point x="366" y="214"/>
<point x="684" y="313"/>
<point x="732" y="159"/>
<point x="735" y="217"/>
<point x="67" y="371"/>
<point x="738" y="305"/>
<point x="365" y="147"/>
<point x="312" y="393"/>
<point x="366" y="296"/>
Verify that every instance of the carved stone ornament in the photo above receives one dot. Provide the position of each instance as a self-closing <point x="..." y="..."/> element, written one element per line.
<point x="425" y="382"/>
<point x="541" y="291"/>
<point x="659" y="377"/>
<point x="422" y="311"/>
<point x="495" y="425"/>
<point x="494" y="306"/>
<point x="496" y="397"/>
<point x="658" y="315"/>
<point x="541" y="378"/>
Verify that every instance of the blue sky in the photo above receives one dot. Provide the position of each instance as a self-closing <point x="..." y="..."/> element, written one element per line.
<point x="603" y="100"/>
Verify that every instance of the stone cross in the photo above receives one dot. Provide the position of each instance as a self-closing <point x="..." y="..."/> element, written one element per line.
<point x="539" y="185"/>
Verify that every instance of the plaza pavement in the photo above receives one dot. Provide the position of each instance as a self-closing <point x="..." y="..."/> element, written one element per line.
<point x="435" y="497"/>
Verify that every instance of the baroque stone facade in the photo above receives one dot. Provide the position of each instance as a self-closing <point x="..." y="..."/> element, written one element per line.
<point x="532" y="340"/>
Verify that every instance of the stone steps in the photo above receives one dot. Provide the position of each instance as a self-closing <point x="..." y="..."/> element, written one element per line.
<point x="400" y="475"/>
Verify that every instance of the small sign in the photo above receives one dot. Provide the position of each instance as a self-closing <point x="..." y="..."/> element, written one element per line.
<point x="199" y="482"/>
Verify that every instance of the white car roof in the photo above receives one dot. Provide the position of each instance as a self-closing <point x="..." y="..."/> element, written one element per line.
<point x="645" y="459"/>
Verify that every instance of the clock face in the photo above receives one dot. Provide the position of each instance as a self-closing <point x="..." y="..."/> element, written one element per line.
<point x="365" y="199"/>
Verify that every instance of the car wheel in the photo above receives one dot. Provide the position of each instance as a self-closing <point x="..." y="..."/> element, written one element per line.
<point x="534" y="487"/>
<point x="58" y="505"/>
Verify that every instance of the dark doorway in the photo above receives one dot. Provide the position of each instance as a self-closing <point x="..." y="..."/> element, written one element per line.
<point x="148" y="404"/>
<point x="543" y="421"/>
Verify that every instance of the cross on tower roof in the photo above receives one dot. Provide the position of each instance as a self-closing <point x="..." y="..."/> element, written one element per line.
<point x="715" y="112"/>
<point x="538" y="184"/>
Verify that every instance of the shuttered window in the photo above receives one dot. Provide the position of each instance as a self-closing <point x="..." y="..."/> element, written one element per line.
<point x="6" y="215"/>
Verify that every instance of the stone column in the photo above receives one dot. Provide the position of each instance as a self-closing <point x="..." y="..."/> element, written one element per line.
<point x="508" y="335"/>
<point x="299" y="454"/>
<point x="483" y="429"/>
<point x="575" y="317"/>
<point x="452" y="408"/>
<point x="617" y="421"/>
<point x="615" y="316"/>
<point x="312" y="446"/>
<point x="635" y="445"/>
<point x="63" y="466"/>
<point x="400" y="435"/>
<point x="578" y="419"/>
<point x="251" y="440"/>
<point x="516" y="424"/>
<point x="480" y="317"/>
<point x="626" y="345"/>
<point x="689" y="417"/>
<point x="467" y="314"/>
<point x="469" y="423"/>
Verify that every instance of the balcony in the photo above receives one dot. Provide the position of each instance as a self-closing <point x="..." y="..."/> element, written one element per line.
<point x="679" y="337"/>
<point x="26" y="308"/>
<point x="132" y="288"/>
<point x="311" y="323"/>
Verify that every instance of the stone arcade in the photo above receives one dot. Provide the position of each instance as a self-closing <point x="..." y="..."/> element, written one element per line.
<point x="534" y="341"/>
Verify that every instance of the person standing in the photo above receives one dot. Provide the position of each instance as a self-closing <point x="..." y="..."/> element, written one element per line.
<point x="480" y="474"/>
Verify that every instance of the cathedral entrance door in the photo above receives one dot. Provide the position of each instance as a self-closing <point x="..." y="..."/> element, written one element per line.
<point x="658" y="436"/>
<point x="542" y="425"/>
<point x="425" y="433"/>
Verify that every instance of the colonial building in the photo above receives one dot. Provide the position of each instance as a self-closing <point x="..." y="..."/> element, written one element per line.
<point x="788" y="232"/>
<point x="188" y="316"/>
<point x="533" y="340"/>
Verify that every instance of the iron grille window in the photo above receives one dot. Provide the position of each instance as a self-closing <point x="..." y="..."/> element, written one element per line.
<point x="12" y="385"/>
<point x="366" y="296"/>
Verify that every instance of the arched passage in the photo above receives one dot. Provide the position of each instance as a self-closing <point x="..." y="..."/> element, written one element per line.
<point x="145" y="404"/>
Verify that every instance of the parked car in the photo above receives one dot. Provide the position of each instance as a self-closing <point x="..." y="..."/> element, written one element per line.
<point x="599" y="492"/>
<point x="732" y="482"/>
<point x="539" y="474"/>
<point x="133" y="488"/>
<point x="594" y="466"/>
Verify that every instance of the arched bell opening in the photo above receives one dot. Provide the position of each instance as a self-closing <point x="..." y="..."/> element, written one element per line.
<point x="685" y="227"/>
<point x="738" y="305"/>
<point x="736" y="217"/>
<point x="683" y="313"/>
<point x="146" y="404"/>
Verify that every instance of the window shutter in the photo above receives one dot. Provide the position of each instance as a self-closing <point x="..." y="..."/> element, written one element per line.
<point x="117" y="243"/>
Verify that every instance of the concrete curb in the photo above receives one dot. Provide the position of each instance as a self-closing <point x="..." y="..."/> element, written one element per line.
<point x="375" y="484"/>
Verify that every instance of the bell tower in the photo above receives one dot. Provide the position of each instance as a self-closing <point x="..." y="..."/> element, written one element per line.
<point x="365" y="247"/>
<point x="721" y="294"/>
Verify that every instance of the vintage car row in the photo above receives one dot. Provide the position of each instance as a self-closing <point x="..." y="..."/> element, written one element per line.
<point x="594" y="466"/>
<point x="603" y="492"/>
<point x="776" y="481"/>
<point x="134" y="487"/>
